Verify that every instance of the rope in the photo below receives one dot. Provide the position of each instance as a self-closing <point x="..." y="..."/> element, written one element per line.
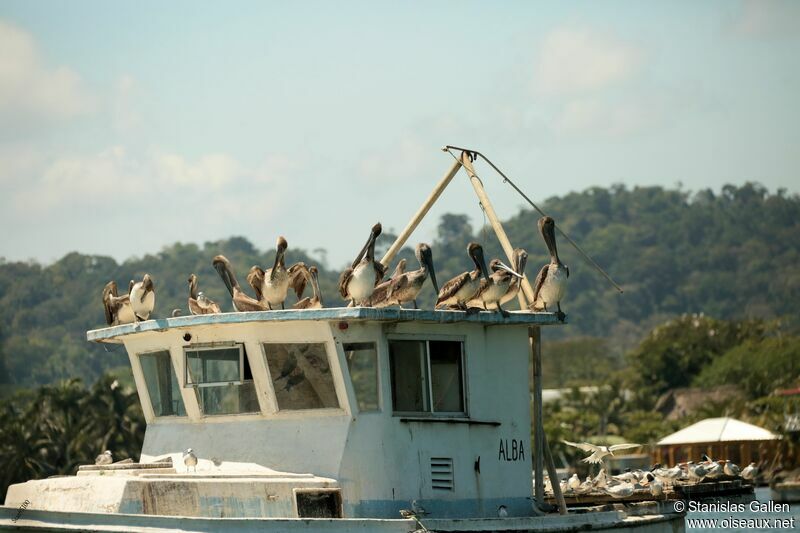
<point x="474" y="155"/>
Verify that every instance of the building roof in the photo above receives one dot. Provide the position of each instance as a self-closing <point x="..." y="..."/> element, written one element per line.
<point x="330" y="314"/>
<point x="724" y="429"/>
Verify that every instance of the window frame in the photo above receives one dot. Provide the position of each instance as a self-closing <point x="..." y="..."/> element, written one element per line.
<point x="211" y="347"/>
<point x="427" y="377"/>
<point x="378" y="375"/>
<point x="332" y="357"/>
<point x="175" y="373"/>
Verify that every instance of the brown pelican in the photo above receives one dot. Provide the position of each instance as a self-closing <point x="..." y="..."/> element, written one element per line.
<point x="276" y="280"/>
<point x="241" y="301"/>
<point x="199" y="303"/>
<point x="551" y="282"/>
<point x="143" y="298"/>
<point x="399" y="270"/>
<point x="462" y="288"/>
<point x="406" y="286"/>
<point x="492" y="290"/>
<point x="358" y="282"/>
<point x="315" y="301"/>
<point x="519" y="259"/>
<point x="379" y="295"/>
<point x="117" y="308"/>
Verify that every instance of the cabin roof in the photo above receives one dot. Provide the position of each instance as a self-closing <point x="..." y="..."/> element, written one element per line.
<point x="489" y="318"/>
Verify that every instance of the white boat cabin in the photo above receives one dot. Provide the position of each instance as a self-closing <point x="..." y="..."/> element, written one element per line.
<point x="348" y="412"/>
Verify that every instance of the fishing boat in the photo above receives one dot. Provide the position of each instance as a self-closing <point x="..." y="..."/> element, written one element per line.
<point x="335" y="419"/>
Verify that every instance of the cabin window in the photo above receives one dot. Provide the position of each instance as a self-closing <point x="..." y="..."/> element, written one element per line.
<point x="162" y="384"/>
<point x="222" y="379"/>
<point x="362" y="364"/>
<point x="301" y="375"/>
<point x="427" y="376"/>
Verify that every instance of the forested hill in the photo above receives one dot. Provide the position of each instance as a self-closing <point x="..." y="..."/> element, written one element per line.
<point x="730" y="254"/>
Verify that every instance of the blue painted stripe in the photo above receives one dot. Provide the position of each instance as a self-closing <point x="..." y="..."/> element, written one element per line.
<point x="329" y="314"/>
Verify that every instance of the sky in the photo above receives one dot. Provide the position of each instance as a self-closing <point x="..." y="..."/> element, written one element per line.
<point x="126" y="127"/>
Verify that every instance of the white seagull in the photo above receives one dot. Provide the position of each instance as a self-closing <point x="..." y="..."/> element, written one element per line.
<point x="623" y="490"/>
<point x="731" y="468"/>
<point x="190" y="459"/>
<point x="599" y="452"/>
<point x="104" y="458"/>
<point x="750" y="471"/>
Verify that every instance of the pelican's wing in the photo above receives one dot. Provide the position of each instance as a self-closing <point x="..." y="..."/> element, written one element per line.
<point x="537" y="285"/>
<point x="481" y="289"/>
<point x="381" y="293"/>
<point x="298" y="277"/>
<point x="397" y="284"/>
<point x="255" y="278"/>
<point x="344" y="280"/>
<point x="451" y="287"/>
<point x="585" y="446"/>
<point x="623" y="447"/>
<point x="399" y="270"/>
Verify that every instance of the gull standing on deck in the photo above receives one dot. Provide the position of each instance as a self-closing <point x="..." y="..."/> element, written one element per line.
<point x="143" y="298"/>
<point x="190" y="459"/>
<point x="241" y="300"/>
<point x="600" y="452"/>
<point x="358" y="282"/>
<point x="406" y="286"/>
<point x="492" y="290"/>
<point x="199" y="303"/>
<point x="299" y="274"/>
<point x="463" y="288"/>
<point x="117" y="308"/>
<point x="551" y="282"/>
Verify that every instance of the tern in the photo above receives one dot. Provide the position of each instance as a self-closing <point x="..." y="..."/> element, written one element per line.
<point x="600" y="452"/>
<point x="731" y="468"/>
<point x="750" y="472"/>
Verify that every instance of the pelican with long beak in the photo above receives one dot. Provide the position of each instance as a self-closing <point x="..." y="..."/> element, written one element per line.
<point x="276" y="280"/>
<point x="493" y="290"/>
<point x="406" y="286"/>
<point x="551" y="282"/>
<point x="241" y="300"/>
<point x="358" y="282"/>
<point x="312" y="302"/>
<point x="199" y="303"/>
<point x="143" y="298"/>
<point x="463" y="288"/>
<point x="117" y="308"/>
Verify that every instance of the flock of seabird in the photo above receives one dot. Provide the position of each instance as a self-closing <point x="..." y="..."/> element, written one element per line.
<point x="654" y="480"/>
<point x="362" y="284"/>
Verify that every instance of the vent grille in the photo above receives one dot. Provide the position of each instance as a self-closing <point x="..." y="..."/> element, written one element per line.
<point x="442" y="473"/>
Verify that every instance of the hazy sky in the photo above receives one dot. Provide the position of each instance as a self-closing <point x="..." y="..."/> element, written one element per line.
<point x="128" y="126"/>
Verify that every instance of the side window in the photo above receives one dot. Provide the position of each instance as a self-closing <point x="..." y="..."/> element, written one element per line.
<point x="427" y="376"/>
<point x="162" y="384"/>
<point x="222" y="379"/>
<point x="301" y="375"/>
<point x="362" y="365"/>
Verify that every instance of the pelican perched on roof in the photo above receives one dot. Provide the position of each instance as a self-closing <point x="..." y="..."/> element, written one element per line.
<point x="117" y="308"/>
<point x="600" y="452"/>
<point x="299" y="274"/>
<point x="379" y="295"/>
<point x="551" y="282"/>
<point x="463" y="288"/>
<point x="143" y="298"/>
<point x="492" y="290"/>
<point x="357" y="283"/>
<point x="406" y="286"/>
<point x="275" y="282"/>
<point x="241" y="300"/>
<point x="199" y="303"/>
